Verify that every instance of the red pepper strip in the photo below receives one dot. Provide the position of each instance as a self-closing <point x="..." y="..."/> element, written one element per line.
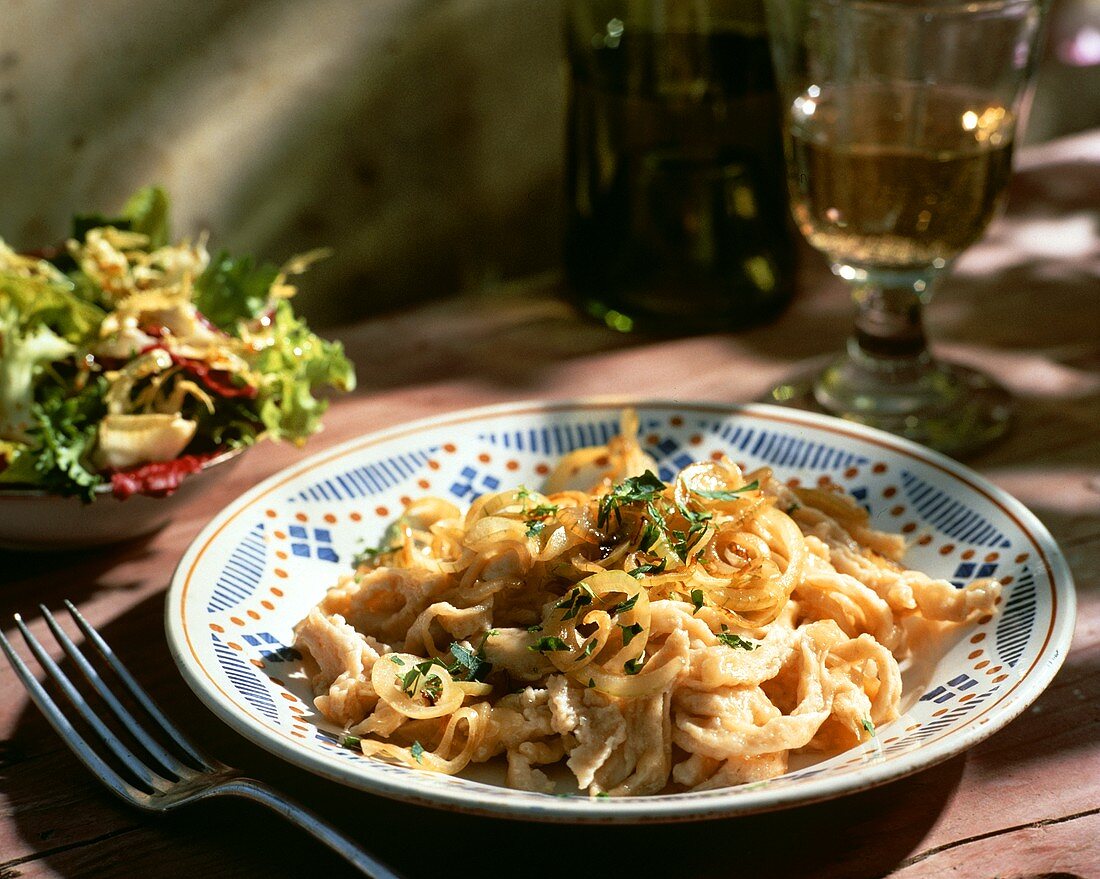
<point x="157" y="479"/>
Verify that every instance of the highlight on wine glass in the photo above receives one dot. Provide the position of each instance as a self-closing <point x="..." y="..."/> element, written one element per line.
<point x="899" y="124"/>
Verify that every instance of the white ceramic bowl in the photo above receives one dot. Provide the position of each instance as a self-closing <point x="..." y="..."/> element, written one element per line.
<point x="31" y="519"/>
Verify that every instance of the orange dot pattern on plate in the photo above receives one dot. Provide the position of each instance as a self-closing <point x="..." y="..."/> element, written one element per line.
<point x="270" y="514"/>
<point x="676" y="421"/>
<point x="276" y="591"/>
<point x="1000" y="678"/>
<point x="897" y="511"/>
<point x="924" y="539"/>
<point x="978" y="638"/>
<point x="695" y="439"/>
<point x="381" y="511"/>
<point x="301" y="517"/>
<point x="267" y="604"/>
<point x="512" y="465"/>
<point x="280" y="573"/>
<point x="851" y="473"/>
<point x="331" y="519"/>
<point x="433" y="464"/>
<point x="484" y="458"/>
<point x="423" y="483"/>
<point x="252" y="614"/>
<point x="879" y="467"/>
<point x="542" y="469"/>
<point x="356" y="517"/>
<point x="290" y="697"/>
<point x="449" y="448"/>
<point x="1021" y="558"/>
<point x="259" y="663"/>
<point x="279" y="554"/>
<point x="237" y="621"/>
<point x="947" y="549"/>
<point x="233" y="645"/>
<point x="280" y="534"/>
<point x="908" y="527"/>
<point x="717" y="455"/>
<point x="974" y="654"/>
<point x="890" y="491"/>
<point x="214" y="627"/>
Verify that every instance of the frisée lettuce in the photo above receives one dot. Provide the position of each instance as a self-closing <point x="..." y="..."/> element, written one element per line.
<point x="130" y="360"/>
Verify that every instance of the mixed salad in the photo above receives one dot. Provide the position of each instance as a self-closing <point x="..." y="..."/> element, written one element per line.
<point x="131" y="361"/>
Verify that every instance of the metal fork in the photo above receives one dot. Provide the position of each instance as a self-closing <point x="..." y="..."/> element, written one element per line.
<point x="162" y="780"/>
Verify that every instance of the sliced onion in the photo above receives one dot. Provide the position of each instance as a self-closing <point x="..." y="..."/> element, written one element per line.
<point x="386" y="680"/>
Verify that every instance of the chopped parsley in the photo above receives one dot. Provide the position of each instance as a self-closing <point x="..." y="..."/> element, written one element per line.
<point x="697" y="599"/>
<point x="732" y="640"/>
<point x="624" y="606"/>
<point x="350" y="742"/>
<point x="633" y="666"/>
<point x="728" y="495"/>
<point x="548" y="644"/>
<point x="630" y="631"/>
<point x="417" y="751"/>
<point x="577" y="598"/>
<point x="635" y="490"/>
<point x="648" y="568"/>
<point x="537" y="516"/>
<point x="535" y="628"/>
<point x="869" y="725"/>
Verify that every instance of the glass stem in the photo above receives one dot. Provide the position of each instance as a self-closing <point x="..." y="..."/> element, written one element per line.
<point x="889" y="324"/>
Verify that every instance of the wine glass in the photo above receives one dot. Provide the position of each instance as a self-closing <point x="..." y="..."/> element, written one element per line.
<point x="899" y="123"/>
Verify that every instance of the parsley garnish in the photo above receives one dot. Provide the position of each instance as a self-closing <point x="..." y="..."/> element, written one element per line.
<point x="648" y="568"/>
<point x="629" y="632"/>
<point x="731" y="640"/>
<point x="624" y="606"/>
<point x="548" y="644"/>
<point x="635" y="490"/>
<point x="868" y="725"/>
<point x="537" y="516"/>
<point x="633" y="666"/>
<point x="575" y="599"/>
<point x="396" y="660"/>
<point x="350" y="742"/>
<point x="728" y="495"/>
<point x="417" y="751"/>
<point x="697" y="599"/>
<point x="535" y="628"/>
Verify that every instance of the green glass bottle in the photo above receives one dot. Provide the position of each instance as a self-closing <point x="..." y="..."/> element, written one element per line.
<point x="677" y="215"/>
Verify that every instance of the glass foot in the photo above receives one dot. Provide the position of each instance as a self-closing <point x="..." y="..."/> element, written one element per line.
<point x="949" y="408"/>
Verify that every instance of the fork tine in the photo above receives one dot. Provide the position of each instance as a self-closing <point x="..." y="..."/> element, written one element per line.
<point x="84" y="752"/>
<point x="168" y="764"/>
<point x="109" y="739"/>
<point x="139" y="694"/>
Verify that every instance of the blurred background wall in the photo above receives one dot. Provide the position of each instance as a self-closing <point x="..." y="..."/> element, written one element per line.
<point x="421" y="139"/>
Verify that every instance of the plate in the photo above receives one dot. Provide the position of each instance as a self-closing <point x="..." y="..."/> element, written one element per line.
<point x="268" y="557"/>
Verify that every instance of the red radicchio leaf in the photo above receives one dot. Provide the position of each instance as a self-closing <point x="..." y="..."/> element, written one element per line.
<point x="156" y="479"/>
<point x="217" y="380"/>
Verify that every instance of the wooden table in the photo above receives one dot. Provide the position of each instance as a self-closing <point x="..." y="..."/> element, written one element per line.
<point x="1025" y="305"/>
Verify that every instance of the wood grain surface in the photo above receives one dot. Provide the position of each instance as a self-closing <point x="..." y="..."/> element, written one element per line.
<point x="1025" y="304"/>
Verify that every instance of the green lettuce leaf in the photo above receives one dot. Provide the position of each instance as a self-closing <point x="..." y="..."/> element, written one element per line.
<point x="233" y="289"/>
<point x="146" y="212"/>
<point x="296" y="365"/>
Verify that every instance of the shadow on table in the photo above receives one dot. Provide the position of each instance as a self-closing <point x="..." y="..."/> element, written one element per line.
<point x="78" y="829"/>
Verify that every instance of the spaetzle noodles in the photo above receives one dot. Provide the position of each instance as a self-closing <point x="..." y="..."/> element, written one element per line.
<point x="650" y="636"/>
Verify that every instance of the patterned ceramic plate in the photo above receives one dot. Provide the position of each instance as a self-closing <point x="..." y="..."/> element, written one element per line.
<point x="265" y="560"/>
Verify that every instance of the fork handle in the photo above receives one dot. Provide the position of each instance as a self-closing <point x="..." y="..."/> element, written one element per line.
<point x="316" y="826"/>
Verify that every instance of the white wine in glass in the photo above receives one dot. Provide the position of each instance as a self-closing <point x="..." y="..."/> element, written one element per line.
<point x="900" y="124"/>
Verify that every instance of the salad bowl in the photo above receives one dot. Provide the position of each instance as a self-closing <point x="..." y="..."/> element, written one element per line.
<point x="35" y="519"/>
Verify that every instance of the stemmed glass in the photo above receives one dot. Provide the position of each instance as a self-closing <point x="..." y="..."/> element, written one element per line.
<point x="899" y="119"/>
